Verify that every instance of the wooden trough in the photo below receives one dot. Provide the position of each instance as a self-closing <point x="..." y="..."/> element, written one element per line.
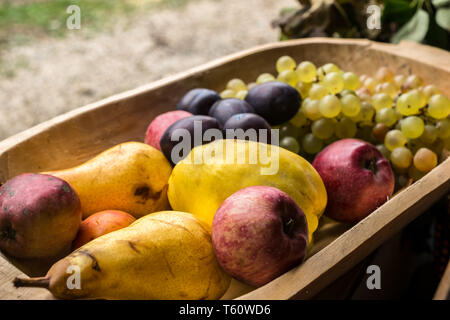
<point x="76" y="136"/>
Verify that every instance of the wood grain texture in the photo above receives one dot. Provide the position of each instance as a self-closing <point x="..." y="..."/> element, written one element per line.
<point x="443" y="289"/>
<point x="74" y="137"/>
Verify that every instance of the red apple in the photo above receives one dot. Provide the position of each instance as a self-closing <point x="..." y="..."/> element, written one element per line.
<point x="258" y="233"/>
<point x="357" y="177"/>
<point x="101" y="223"/>
<point x="160" y="124"/>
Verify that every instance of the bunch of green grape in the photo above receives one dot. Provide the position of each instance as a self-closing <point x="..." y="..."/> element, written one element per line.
<point x="406" y="120"/>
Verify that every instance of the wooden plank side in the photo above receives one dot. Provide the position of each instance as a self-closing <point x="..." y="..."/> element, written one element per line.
<point x="351" y="247"/>
<point x="72" y="138"/>
<point x="443" y="290"/>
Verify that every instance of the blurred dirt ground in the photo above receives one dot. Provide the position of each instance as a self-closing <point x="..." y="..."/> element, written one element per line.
<point x="51" y="76"/>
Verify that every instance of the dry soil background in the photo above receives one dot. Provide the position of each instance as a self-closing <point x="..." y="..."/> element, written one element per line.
<point x="57" y="75"/>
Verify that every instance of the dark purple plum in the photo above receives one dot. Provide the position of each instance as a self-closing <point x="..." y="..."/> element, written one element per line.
<point x="185" y="134"/>
<point x="275" y="101"/>
<point x="224" y="109"/>
<point x="246" y="121"/>
<point x="198" y="101"/>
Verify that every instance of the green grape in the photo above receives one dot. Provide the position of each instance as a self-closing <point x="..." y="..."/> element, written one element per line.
<point x="425" y="160"/>
<point x="381" y="100"/>
<point x="415" y="144"/>
<point x="429" y="134"/>
<point x="236" y="85"/>
<point x="303" y="88"/>
<point x="384" y="74"/>
<point x="346" y="128"/>
<point x="379" y="131"/>
<point x="301" y="132"/>
<point x="399" y="80"/>
<point x="285" y="63"/>
<point x="420" y="96"/>
<point x="386" y="116"/>
<point x="241" y="94"/>
<point x="351" y="81"/>
<point x="370" y="84"/>
<point x="311" y="110"/>
<point x="401" y="157"/>
<point x="323" y="128"/>
<point x="228" y="94"/>
<point x="439" y="106"/>
<point x="398" y="114"/>
<point x="330" y="67"/>
<point x="412" y="82"/>
<point x="265" y="77"/>
<point x="384" y="151"/>
<point x="367" y="111"/>
<point x="347" y="92"/>
<point x="388" y="88"/>
<point x="333" y="82"/>
<point x="412" y="127"/>
<point x="394" y="139"/>
<point x="299" y="119"/>
<point x="289" y="130"/>
<point x="407" y="104"/>
<point x="326" y="69"/>
<point x="311" y="144"/>
<point x="364" y="94"/>
<point x="288" y="76"/>
<point x="351" y="105"/>
<point x="443" y="128"/>
<point x="330" y="106"/>
<point x="317" y="91"/>
<point x="306" y="71"/>
<point x="290" y="144"/>
<point x="430" y="90"/>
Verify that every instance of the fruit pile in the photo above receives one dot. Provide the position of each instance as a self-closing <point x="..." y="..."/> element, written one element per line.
<point x="406" y="120"/>
<point x="228" y="185"/>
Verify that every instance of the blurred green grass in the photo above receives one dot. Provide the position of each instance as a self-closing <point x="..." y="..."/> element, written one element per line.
<point x="49" y="17"/>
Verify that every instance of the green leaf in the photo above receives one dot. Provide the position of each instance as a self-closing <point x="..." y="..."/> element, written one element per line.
<point x="440" y="3"/>
<point x="443" y="18"/>
<point x="437" y="36"/>
<point x="415" y="29"/>
<point x="398" y="11"/>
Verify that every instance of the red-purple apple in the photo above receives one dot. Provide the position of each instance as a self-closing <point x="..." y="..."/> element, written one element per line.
<point x="357" y="177"/>
<point x="160" y="124"/>
<point x="39" y="215"/>
<point x="258" y="233"/>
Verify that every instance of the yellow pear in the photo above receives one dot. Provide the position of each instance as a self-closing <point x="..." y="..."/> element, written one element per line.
<point x="164" y="255"/>
<point x="132" y="177"/>
<point x="212" y="172"/>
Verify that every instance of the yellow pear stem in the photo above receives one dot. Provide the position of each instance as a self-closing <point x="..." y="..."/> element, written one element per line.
<point x="39" y="282"/>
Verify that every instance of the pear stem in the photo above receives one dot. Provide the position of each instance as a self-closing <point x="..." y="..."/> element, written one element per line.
<point x="40" y="282"/>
